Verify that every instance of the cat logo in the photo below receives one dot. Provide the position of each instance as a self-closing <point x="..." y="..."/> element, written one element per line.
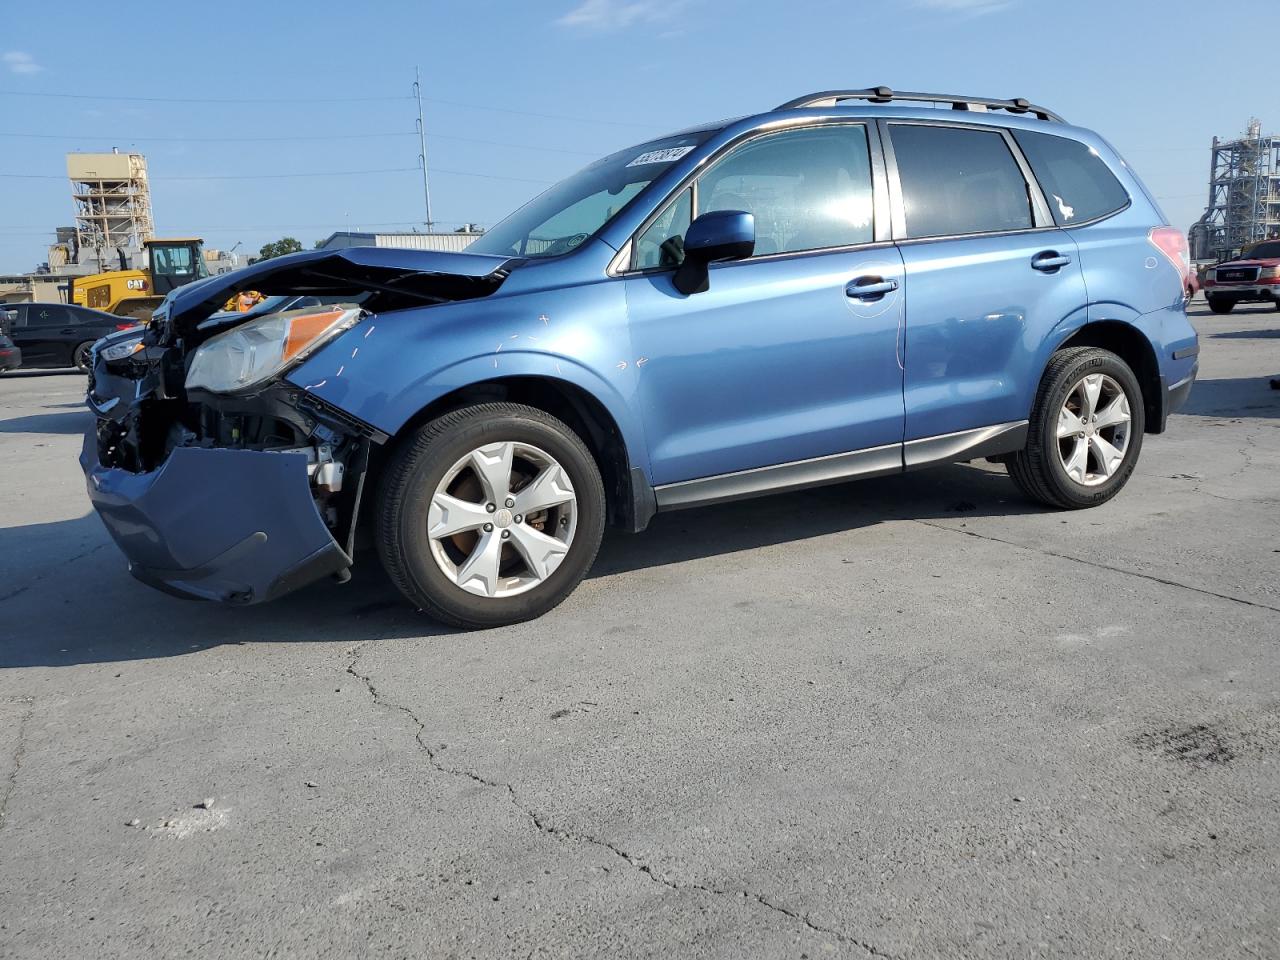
<point x="138" y="284"/>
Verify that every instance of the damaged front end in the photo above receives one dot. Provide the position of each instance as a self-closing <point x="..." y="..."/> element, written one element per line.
<point x="218" y="478"/>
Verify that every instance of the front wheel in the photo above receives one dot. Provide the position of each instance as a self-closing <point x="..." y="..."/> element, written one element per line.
<point x="1221" y="304"/>
<point x="82" y="357"/>
<point x="490" y="515"/>
<point x="1085" y="432"/>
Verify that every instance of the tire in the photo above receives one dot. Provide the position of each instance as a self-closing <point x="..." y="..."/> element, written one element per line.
<point x="1221" y="304"/>
<point x="1040" y="470"/>
<point x="422" y="468"/>
<point x="80" y="357"/>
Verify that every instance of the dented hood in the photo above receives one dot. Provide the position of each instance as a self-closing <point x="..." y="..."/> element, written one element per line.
<point x="394" y="278"/>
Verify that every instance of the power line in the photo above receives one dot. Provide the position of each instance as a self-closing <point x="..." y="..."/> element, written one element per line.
<point x="236" y="138"/>
<point x="107" y="96"/>
<point x="208" y="228"/>
<point x="398" y="97"/>
<point x="289" y="176"/>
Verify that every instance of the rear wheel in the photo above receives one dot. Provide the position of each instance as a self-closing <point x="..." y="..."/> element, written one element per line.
<point x="1085" y="432"/>
<point x="490" y="515"/>
<point x="1221" y="304"/>
<point x="82" y="357"/>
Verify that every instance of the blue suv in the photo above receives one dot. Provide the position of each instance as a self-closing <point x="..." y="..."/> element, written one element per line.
<point x="854" y="284"/>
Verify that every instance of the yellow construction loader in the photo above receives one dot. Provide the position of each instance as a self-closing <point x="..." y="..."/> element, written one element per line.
<point x="136" y="293"/>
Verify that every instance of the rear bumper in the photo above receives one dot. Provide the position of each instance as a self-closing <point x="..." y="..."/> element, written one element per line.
<point x="10" y="358"/>
<point x="238" y="526"/>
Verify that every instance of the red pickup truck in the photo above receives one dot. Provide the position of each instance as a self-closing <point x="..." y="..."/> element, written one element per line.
<point x="1254" y="278"/>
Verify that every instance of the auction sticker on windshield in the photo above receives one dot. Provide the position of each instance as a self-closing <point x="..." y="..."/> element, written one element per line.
<point x="669" y="155"/>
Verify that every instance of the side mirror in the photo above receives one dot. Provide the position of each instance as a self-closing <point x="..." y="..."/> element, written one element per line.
<point x="714" y="238"/>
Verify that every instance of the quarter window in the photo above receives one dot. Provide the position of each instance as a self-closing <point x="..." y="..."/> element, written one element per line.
<point x="662" y="243"/>
<point x="958" y="181"/>
<point x="1075" y="180"/>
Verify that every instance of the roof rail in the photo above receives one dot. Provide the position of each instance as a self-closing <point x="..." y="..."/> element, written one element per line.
<point x="829" y="98"/>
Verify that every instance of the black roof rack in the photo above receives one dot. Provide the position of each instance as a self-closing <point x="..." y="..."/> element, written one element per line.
<point x="829" y="98"/>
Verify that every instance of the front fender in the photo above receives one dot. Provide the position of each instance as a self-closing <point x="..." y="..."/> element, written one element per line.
<point x="391" y="366"/>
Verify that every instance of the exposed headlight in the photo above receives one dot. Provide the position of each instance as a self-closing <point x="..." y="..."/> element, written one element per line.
<point x="1269" y="273"/>
<point x="121" y="349"/>
<point x="260" y="349"/>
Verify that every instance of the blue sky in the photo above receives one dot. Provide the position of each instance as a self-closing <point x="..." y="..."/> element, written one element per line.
<point x="550" y="84"/>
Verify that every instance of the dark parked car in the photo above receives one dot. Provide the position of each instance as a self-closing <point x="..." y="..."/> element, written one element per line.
<point x="10" y="355"/>
<point x="57" y="334"/>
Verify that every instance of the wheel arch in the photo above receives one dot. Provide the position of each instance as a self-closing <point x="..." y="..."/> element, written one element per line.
<point x="628" y="494"/>
<point x="1133" y="347"/>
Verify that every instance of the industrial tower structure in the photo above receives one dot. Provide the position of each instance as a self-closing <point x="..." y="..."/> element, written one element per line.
<point x="1244" y="196"/>
<point x="112" y="201"/>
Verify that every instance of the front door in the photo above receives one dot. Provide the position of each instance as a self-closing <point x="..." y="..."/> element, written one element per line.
<point x="783" y="358"/>
<point x="988" y="276"/>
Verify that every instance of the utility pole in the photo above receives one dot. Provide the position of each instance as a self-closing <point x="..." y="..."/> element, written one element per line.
<point x="422" y="147"/>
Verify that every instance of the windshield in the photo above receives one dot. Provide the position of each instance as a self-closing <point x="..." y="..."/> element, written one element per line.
<point x="574" y="209"/>
<point x="1264" y="251"/>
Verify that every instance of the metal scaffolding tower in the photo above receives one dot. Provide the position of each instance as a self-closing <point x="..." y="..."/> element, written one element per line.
<point x="1244" y="196"/>
<point x="112" y="201"/>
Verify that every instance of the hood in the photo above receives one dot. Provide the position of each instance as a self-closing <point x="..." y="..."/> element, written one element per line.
<point x="394" y="278"/>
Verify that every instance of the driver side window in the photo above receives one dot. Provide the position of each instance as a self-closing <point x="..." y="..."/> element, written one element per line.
<point x="809" y="189"/>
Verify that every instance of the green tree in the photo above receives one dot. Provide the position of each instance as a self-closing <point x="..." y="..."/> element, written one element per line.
<point x="279" y="248"/>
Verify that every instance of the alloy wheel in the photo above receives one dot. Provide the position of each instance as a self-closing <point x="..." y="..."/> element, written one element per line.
<point x="1094" y="427"/>
<point x="502" y="519"/>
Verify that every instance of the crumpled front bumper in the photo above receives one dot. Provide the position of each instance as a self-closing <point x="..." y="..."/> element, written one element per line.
<point x="239" y="526"/>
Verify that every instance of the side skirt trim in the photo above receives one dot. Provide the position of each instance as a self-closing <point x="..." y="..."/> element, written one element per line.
<point x="966" y="444"/>
<point x="870" y="462"/>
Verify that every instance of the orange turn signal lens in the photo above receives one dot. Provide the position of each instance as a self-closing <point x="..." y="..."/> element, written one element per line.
<point x="304" y="330"/>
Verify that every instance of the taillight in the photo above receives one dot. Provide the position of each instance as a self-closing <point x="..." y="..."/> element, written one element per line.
<point x="126" y="326"/>
<point x="1171" y="242"/>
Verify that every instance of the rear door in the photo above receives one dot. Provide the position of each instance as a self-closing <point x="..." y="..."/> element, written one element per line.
<point x="52" y="333"/>
<point x="988" y="276"/>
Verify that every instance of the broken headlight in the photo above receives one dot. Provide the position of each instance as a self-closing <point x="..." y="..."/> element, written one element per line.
<point x="260" y="349"/>
<point x="121" y="349"/>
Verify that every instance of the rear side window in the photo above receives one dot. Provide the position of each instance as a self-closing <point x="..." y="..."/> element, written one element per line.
<point x="1075" y="180"/>
<point x="957" y="181"/>
<point x="48" y="315"/>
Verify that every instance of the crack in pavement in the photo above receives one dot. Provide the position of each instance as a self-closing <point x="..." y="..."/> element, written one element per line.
<point x="19" y="752"/>
<point x="563" y="835"/>
<point x="62" y="563"/>
<point x="1100" y="566"/>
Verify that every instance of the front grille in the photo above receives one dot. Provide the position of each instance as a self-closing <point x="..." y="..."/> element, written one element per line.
<point x="1237" y="275"/>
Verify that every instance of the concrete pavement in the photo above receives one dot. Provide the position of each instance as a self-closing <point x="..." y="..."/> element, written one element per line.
<point x="910" y="717"/>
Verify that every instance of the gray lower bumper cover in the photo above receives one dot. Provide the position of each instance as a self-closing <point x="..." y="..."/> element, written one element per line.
<point x="238" y="526"/>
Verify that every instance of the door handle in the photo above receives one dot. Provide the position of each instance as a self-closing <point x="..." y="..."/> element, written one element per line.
<point x="1050" y="261"/>
<point x="869" y="288"/>
<point x="67" y="331"/>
